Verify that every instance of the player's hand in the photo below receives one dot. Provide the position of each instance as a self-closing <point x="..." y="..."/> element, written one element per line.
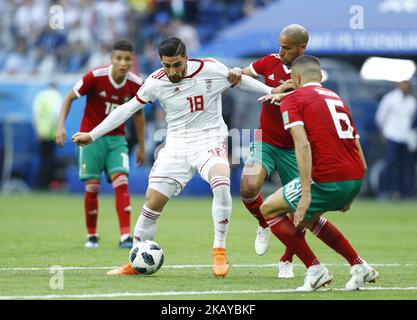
<point x="60" y="136"/>
<point x="287" y="86"/>
<point x="82" y="138"/>
<point x="235" y="75"/>
<point x="273" y="98"/>
<point x="140" y="156"/>
<point x="302" y="207"/>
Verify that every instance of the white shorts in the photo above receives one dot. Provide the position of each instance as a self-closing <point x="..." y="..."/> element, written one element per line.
<point x="176" y="164"/>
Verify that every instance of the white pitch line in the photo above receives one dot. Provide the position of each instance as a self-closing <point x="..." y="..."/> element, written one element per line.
<point x="188" y="293"/>
<point x="196" y="266"/>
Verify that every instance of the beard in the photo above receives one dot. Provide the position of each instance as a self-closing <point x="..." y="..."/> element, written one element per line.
<point x="175" y="79"/>
<point x="178" y="77"/>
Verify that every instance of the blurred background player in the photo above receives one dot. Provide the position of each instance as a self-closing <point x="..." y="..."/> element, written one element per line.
<point x="46" y="106"/>
<point x="189" y="90"/>
<point x="106" y="88"/>
<point x="332" y="168"/>
<point x="273" y="148"/>
<point x="394" y="117"/>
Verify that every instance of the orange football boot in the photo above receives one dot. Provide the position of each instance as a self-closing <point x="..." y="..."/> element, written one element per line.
<point x="125" y="270"/>
<point x="220" y="265"/>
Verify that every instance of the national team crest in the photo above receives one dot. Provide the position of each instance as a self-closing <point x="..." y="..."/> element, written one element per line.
<point x="209" y="85"/>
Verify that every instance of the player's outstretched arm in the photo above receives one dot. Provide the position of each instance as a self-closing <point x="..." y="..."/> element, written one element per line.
<point x="235" y="75"/>
<point x="252" y="85"/>
<point x="140" y="121"/>
<point x="287" y="86"/>
<point x="273" y="98"/>
<point x="61" y="134"/>
<point x="112" y="121"/>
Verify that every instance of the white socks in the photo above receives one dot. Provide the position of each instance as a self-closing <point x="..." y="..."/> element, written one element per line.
<point x="221" y="209"/>
<point x="145" y="227"/>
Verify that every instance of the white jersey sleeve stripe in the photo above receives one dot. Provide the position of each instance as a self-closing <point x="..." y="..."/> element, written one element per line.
<point x="253" y="70"/>
<point x="77" y="87"/>
<point x="76" y="92"/>
<point x="140" y="100"/>
<point x="293" y="124"/>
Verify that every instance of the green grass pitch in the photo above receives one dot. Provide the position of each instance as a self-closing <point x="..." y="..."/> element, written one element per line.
<point x="42" y="230"/>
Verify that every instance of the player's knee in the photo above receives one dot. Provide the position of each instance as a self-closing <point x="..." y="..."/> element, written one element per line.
<point x="264" y="209"/>
<point x="248" y="186"/>
<point x="92" y="187"/>
<point x="155" y="200"/>
<point x="119" y="180"/>
<point x="311" y="222"/>
<point x="267" y="208"/>
<point x="150" y="202"/>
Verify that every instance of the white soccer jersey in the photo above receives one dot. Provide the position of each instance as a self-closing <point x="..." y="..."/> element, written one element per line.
<point x="196" y="131"/>
<point x="192" y="106"/>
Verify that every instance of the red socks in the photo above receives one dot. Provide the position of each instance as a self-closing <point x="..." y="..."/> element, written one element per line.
<point x="123" y="208"/>
<point x="330" y="235"/>
<point x="253" y="205"/>
<point x="91" y="206"/>
<point x="120" y="185"/>
<point x="289" y="253"/>
<point x="293" y="238"/>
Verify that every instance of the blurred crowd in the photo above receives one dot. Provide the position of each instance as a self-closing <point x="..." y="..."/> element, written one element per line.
<point x="72" y="36"/>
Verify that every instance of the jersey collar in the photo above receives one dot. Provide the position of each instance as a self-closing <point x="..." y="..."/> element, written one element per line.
<point x="312" y="84"/>
<point x="194" y="72"/>
<point x="114" y="83"/>
<point x="286" y="69"/>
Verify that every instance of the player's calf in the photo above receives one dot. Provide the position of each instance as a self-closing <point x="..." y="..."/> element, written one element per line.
<point x="123" y="208"/>
<point x="92" y="189"/>
<point x="221" y="214"/>
<point x="221" y="209"/>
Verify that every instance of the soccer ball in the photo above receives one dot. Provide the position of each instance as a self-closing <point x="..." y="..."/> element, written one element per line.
<point x="146" y="257"/>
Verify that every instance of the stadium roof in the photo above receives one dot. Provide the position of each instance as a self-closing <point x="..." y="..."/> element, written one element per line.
<point x="335" y="27"/>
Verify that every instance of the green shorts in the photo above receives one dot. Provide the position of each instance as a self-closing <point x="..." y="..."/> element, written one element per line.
<point x="107" y="154"/>
<point x="328" y="196"/>
<point x="273" y="158"/>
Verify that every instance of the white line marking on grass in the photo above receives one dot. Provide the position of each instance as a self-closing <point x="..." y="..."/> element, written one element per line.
<point x="187" y="293"/>
<point x="197" y="266"/>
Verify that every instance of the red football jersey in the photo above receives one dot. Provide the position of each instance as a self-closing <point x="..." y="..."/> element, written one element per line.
<point x="104" y="95"/>
<point x="330" y="130"/>
<point x="271" y="126"/>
